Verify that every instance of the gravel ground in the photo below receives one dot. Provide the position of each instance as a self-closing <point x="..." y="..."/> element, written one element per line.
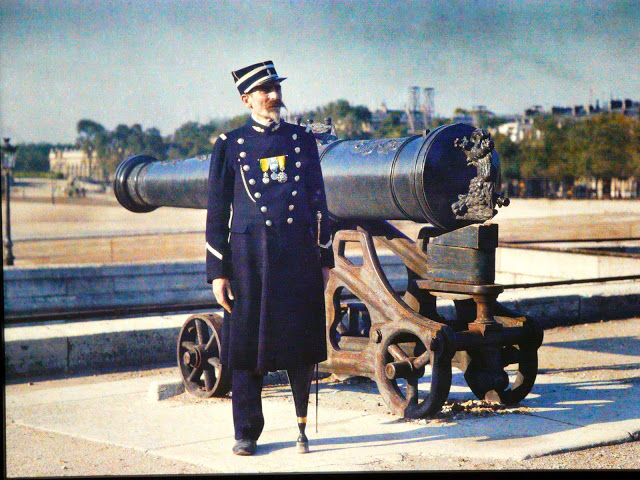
<point x="32" y="452"/>
<point x="35" y="453"/>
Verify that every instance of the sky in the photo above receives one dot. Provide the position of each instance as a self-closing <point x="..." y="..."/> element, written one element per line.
<point x="162" y="63"/>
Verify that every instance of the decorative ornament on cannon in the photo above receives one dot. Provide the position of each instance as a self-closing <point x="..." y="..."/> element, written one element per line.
<point x="447" y="178"/>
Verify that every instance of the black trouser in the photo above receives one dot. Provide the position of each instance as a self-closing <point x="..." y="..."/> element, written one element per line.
<point x="246" y="399"/>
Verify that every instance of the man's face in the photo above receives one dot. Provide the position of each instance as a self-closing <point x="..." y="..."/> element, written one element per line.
<point x="265" y="101"/>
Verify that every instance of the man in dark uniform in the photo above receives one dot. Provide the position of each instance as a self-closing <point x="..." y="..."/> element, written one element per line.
<point x="268" y="252"/>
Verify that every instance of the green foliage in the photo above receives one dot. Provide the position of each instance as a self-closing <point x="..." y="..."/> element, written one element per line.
<point x="93" y="138"/>
<point x="235" y="122"/>
<point x="391" y="126"/>
<point x="34" y="157"/>
<point x="510" y="156"/>
<point x="558" y="148"/>
<point x="36" y="174"/>
<point x="109" y="148"/>
<point x="610" y="151"/>
<point x="193" y="139"/>
<point x="602" y="146"/>
<point x="351" y="122"/>
<point x="438" y="121"/>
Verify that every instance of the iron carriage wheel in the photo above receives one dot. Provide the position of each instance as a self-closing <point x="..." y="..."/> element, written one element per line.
<point x="523" y="353"/>
<point x="473" y="362"/>
<point x="398" y="380"/>
<point x="527" y="360"/>
<point x="199" y="357"/>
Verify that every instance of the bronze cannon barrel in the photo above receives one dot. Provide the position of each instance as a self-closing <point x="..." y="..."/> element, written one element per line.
<point x="417" y="178"/>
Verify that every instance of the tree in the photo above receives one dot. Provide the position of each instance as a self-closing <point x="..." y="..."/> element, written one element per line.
<point x="236" y="122"/>
<point x="193" y="139"/>
<point x="32" y="157"/>
<point x="609" y="148"/>
<point x="117" y="148"/>
<point x="351" y="122"/>
<point x="510" y="155"/>
<point x="391" y="126"/>
<point x="92" y="138"/>
<point x="154" y="144"/>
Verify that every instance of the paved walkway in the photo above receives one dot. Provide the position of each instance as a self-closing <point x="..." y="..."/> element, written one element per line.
<point x="586" y="395"/>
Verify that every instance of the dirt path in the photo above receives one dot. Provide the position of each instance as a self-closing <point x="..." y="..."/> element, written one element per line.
<point x="97" y="230"/>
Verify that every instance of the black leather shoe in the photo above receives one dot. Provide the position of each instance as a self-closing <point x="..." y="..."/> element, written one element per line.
<point x="302" y="445"/>
<point x="245" y="447"/>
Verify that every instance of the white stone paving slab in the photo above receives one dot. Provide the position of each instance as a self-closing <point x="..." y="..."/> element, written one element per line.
<point x="561" y="414"/>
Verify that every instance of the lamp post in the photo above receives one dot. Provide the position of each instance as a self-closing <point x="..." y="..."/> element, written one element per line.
<point x="8" y="163"/>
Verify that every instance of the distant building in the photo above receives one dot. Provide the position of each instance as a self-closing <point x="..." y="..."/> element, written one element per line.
<point x="624" y="107"/>
<point x="519" y="129"/>
<point x="378" y="115"/>
<point x="463" y="118"/>
<point x="579" y="111"/>
<point x="382" y="113"/>
<point x="616" y="106"/>
<point x="73" y="163"/>
<point x="631" y="108"/>
<point x="593" y="109"/>
<point x="535" y="110"/>
<point x="561" y="111"/>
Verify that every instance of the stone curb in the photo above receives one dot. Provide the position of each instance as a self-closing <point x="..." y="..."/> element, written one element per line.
<point x="75" y="347"/>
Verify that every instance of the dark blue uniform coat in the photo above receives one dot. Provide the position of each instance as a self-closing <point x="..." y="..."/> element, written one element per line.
<point x="266" y="245"/>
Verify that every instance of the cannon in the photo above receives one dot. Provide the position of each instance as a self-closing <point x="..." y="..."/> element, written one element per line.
<point x="447" y="179"/>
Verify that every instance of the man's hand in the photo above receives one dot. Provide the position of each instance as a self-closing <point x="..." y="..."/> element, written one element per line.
<point x="222" y="291"/>
<point x="325" y="275"/>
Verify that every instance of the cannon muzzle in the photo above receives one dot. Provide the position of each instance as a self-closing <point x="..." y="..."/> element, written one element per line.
<point x="448" y="177"/>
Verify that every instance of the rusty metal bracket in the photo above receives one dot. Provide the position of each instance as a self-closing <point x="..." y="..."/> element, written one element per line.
<point x="401" y="341"/>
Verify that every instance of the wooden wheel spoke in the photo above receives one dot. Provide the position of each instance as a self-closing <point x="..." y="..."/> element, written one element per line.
<point x="403" y="359"/>
<point x="198" y="356"/>
<point x="209" y="380"/>
<point x="422" y="360"/>
<point x="397" y="353"/>
<point x="203" y="332"/>
<point x="194" y="375"/>
<point x="412" y="390"/>
<point x="210" y="343"/>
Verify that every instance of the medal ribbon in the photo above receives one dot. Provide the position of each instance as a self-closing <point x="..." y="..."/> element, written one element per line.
<point x="273" y="163"/>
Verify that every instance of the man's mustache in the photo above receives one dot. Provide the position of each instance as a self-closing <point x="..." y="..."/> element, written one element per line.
<point x="273" y="104"/>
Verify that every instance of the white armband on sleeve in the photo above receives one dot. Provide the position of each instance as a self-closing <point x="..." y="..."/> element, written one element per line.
<point x="326" y="245"/>
<point x="214" y="252"/>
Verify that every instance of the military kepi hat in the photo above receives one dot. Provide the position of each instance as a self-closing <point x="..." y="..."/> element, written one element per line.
<point x="254" y="75"/>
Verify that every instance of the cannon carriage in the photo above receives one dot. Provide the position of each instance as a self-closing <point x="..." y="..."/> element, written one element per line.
<point x="449" y="180"/>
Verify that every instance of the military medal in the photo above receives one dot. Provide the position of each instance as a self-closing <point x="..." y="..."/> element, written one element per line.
<point x="282" y="177"/>
<point x="264" y="166"/>
<point x="275" y="165"/>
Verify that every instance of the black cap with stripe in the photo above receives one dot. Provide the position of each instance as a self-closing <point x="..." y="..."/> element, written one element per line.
<point x="254" y="75"/>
